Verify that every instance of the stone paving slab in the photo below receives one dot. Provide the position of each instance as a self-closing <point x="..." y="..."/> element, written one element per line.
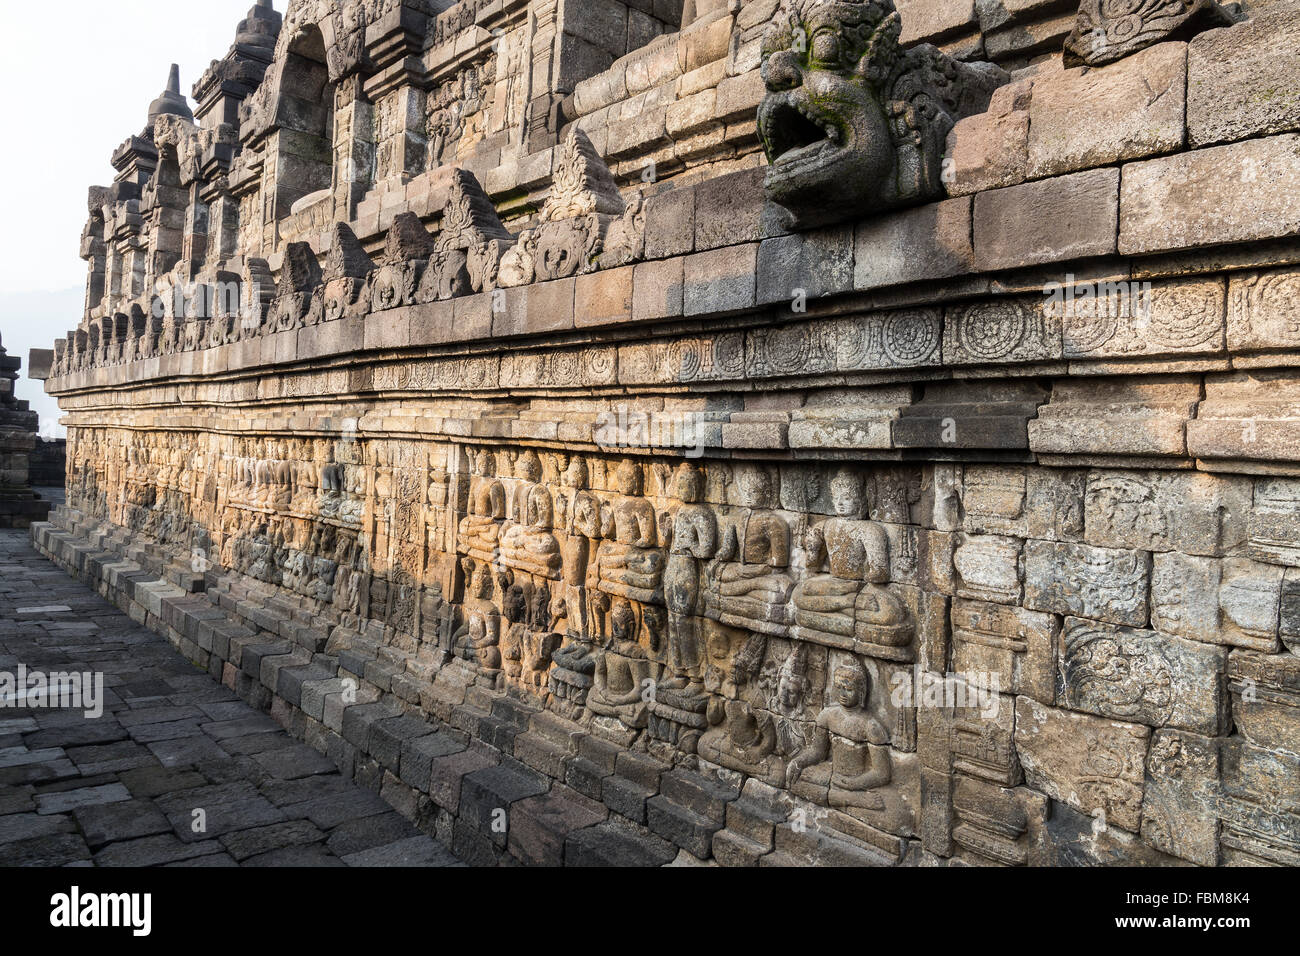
<point x="122" y="789"/>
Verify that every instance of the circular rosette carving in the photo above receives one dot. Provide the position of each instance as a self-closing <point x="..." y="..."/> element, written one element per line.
<point x="992" y="332"/>
<point x="1089" y="327"/>
<point x="561" y="368"/>
<point x="686" y="359"/>
<point x="910" y="336"/>
<point x="600" y="364"/>
<point x="787" y="351"/>
<point x="1188" y="317"/>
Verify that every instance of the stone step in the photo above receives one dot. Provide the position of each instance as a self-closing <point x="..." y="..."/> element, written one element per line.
<point x="540" y="826"/>
<point x="799" y="846"/>
<point x="641" y="769"/>
<point x="488" y="795"/>
<point x="514" y="711"/>
<point x="681" y="825"/>
<point x="543" y="754"/>
<point x="612" y="844"/>
<point x="735" y="849"/>
<point x="626" y="797"/>
<point x="704" y="796"/>
<point x="586" y="777"/>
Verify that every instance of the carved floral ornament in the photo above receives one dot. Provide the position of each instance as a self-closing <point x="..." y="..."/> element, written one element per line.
<point x="1107" y="30"/>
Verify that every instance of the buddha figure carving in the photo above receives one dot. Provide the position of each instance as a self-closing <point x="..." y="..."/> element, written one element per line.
<point x="529" y="545"/>
<point x="580" y="515"/>
<point x="695" y="540"/>
<point x="478" y="639"/>
<point x="528" y="471"/>
<point x="848" y="605"/>
<point x="752" y="581"/>
<point x="281" y="479"/>
<point x="742" y="735"/>
<point x="480" y="530"/>
<point x="853" y="123"/>
<point x="849" y="758"/>
<point x="540" y="642"/>
<point x="515" y="608"/>
<point x="623" y="670"/>
<point x="629" y="560"/>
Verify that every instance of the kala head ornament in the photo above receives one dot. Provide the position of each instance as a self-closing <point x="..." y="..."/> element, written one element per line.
<point x="852" y="122"/>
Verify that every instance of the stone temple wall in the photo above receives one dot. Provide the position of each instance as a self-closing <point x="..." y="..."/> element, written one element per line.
<point x="754" y="432"/>
<point x="19" y="505"/>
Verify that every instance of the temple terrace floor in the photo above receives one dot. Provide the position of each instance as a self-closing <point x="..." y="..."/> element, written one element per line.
<point x="176" y="771"/>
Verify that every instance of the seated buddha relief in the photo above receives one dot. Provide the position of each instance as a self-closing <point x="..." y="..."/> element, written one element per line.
<point x="623" y="673"/>
<point x="848" y="759"/>
<point x="629" y="560"/>
<point x="845" y="603"/>
<point x="529" y="545"/>
<point x="751" y="582"/>
<point x="478" y="639"/>
<point x="478" y="535"/>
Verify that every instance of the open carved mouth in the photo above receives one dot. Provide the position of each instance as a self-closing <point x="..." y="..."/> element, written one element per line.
<point x="794" y="132"/>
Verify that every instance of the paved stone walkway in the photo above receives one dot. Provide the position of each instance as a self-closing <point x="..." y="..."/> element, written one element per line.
<point x="123" y="789"/>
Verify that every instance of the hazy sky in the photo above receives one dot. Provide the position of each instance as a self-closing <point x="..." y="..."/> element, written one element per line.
<point x="66" y="108"/>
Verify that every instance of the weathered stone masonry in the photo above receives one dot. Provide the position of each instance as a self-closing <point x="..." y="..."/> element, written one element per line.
<point x="742" y="431"/>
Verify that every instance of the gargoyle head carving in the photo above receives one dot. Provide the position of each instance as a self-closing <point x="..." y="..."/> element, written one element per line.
<point x="823" y="122"/>
<point x="852" y="123"/>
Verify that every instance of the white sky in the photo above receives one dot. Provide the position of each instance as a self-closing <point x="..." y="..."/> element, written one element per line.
<point x="66" y="107"/>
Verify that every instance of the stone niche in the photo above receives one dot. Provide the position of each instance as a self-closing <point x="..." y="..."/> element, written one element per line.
<point x="775" y="432"/>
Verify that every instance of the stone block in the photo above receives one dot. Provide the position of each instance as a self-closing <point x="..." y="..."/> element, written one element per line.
<point x="1104" y="584"/>
<point x="1091" y="763"/>
<point x="915" y="245"/>
<point x="798" y="269"/>
<point x="1179" y="814"/>
<point x="1116" y="417"/>
<point x="988" y="568"/>
<point x="658" y="289"/>
<point x="1242" y="80"/>
<point x="536" y="309"/>
<point x="1134" y="108"/>
<point x="1196" y="514"/>
<point x="541" y="825"/>
<point x="603" y="298"/>
<point x="1142" y="676"/>
<point x="1016" y="645"/>
<point x="1236" y="193"/>
<point x="670" y="223"/>
<point x="990" y="150"/>
<point x="1266" y="699"/>
<point x="1053" y="220"/>
<point x="729" y="210"/>
<point x="721" y="281"/>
